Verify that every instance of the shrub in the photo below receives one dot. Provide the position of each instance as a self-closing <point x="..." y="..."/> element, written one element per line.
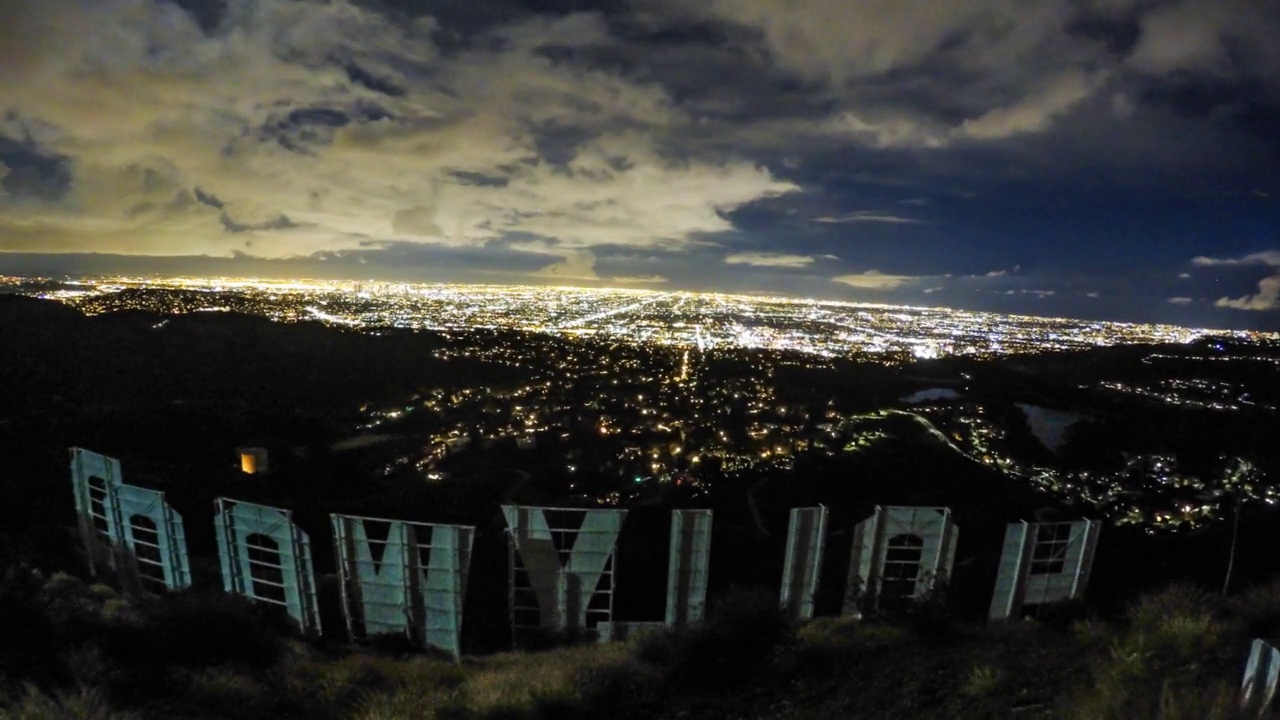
<point x="1180" y="600"/>
<point x="1257" y="610"/>
<point x="1174" y="661"/>
<point x="224" y="692"/>
<point x="832" y="644"/>
<point x="931" y="615"/>
<point x="1062" y="616"/>
<point x="1178" y="624"/>
<point x="625" y="682"/>
<point x="197" y="630"/>
<point x="73" y="608"/>
<point x="1213" y="700"/>
<point x="743" y="632"/>
<point x="27" y="650"/>
<point x="86" y="665"/>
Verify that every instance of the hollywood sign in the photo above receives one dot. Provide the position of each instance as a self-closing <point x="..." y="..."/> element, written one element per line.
<point x="410" y="578"/>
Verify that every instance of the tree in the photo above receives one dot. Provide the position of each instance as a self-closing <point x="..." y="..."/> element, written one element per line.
<point x="1237" y="481"/>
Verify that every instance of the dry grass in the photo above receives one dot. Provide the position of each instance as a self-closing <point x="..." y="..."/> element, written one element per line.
<point x="983" y="681"/>
<point x="845" y="632"/>
<point x="79" y="704"/>
<point x="510" y="684"/>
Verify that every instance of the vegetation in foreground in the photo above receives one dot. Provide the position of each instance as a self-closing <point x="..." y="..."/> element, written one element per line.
<point x="79" y="650"/>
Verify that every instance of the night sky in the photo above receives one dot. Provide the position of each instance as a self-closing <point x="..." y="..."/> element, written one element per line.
<point x="1094" y="158"/>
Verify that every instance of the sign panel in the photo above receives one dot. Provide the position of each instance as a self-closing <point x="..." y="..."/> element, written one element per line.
<point x="687" y="567"/>
<point x="129" y="529"/>
<point x="92" y="477"/>
<point x="1261" y="675"/>
<point x="155" y="538"/>
<point x="562" y="566"/>
<point x="266" y="558"/>
<point x="1043" y="563"/>
<point x="899" y="555"/>
<point x="406" y="578"/>
<point x="806" y="540"/>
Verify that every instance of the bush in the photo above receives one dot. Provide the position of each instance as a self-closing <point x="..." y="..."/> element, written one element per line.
<point x="1153" y="611"/>
<point x="27" y="650"/>
<point x="931" y="615"/>
<point x="1174" y="661"/>
<point x="744" y="631"/>
<point x="222" y="692"/>
<point x="197" y="630"/>
<point x="1257" y="610"/>
<point x="1179" y="624"/>
<point x="1062" y="615"/>
<point x="73" y="608"/>
<point x="629" y="682"/>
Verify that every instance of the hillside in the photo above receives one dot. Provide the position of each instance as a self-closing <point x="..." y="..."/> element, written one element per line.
<point x="173" y="396"/>
<point x="81" y="651"/>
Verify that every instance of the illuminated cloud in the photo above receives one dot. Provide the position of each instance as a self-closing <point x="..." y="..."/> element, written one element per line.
<point x="1002" y="273"/>
<point x="332" y="127"/>
<point x="875" y="280"/>
<point x="837" y="43"/>
<point x="764" y="259"/>
<point x="1206" y="37"/>
<point x="1267" y="297"/>
<point x="887" y="130"/>
<point x="639" y="280"/>
<point x="574" y="266"/>
<point x="1267" y="257"/>
<point x="1180" y="300"/>
<point x="866" y="216"/>
<point x="1034" y="112"/>
<point x="571" y="266"/>
<point x="858" y="50"/>
<point x="1031" y="113"/>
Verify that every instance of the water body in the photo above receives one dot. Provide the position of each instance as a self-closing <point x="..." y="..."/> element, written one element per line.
<point x="932" y="394"/>
<point x="1050" y="426"/>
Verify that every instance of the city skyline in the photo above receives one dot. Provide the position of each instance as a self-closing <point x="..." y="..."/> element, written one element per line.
<point x="1093" y="159"/>
<point x="702" y="321"/>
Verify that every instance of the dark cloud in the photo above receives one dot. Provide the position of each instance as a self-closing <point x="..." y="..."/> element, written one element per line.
<point x="363" y="77"/>
<point x="325" y="117"/>
<point x="208" y="14"/>
<point x="34" y="172"/>
<point x="475" y="178"/>
<point x="208" y="199"/>
<point x="279" y="222"/>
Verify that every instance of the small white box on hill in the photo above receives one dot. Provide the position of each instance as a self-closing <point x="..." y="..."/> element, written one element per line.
<point x="253" y="460"/>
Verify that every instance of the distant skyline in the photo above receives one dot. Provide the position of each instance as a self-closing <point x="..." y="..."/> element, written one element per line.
<point x="1110" y="159"/>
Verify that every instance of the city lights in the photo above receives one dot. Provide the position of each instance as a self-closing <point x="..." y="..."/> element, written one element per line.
<point x="700" y="321"/>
